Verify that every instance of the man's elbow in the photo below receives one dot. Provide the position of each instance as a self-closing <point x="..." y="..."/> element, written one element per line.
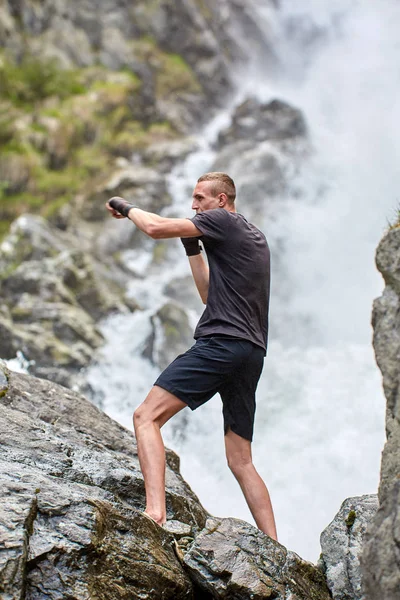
<point x="154" y="231"/>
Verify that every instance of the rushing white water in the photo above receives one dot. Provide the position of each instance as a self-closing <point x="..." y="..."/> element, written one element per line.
<point x="320" y="419"/>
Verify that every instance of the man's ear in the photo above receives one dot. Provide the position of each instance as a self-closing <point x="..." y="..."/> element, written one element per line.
<point x="222" y="199"/>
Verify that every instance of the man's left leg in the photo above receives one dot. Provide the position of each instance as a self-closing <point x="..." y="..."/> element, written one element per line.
<point x="158" y="407"/>
<point x="238" y="454"/>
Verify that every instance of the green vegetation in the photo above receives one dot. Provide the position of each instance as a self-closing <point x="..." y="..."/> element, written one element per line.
<point x="394" y="223"/>
<point x="60" y="130"/>
<point x="34" y="79"/>
<point x="351" y="517"/>
<point x="172" y="73"/>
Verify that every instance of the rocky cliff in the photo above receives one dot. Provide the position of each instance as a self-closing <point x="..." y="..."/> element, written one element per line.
<point x="381" y="555"/>
<point x="71" y="524"/>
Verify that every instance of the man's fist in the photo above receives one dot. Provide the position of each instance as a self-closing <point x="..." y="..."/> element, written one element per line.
<point x="119" y="207"/>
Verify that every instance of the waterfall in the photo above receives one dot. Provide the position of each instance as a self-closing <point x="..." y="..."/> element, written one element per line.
<point x="320" y="417"/>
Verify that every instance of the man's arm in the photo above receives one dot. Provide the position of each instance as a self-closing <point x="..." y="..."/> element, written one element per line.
<point x="162" y="228"/>
<point x="158" y="227"/>
<point x="200" y="274"/>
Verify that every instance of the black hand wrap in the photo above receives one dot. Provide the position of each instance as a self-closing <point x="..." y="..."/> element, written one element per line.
<point x="192" y="246"/>
<point x="121" y="205"/>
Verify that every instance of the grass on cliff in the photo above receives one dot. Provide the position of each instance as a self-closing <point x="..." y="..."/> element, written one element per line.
<point x="394" y="222"/>
<point x="61" y="130"/>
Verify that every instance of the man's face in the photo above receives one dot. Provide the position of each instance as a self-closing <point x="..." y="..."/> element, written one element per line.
<point x="203" y="198"/>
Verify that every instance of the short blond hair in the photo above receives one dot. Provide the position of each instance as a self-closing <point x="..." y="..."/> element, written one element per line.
<point x="223" y="184"/>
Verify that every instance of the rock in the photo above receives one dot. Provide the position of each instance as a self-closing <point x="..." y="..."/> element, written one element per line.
<point x="206" y="34"/>
<point x="171" y="335"/>
<point x="380" y="564"/>
<point x="183" y="291"/>
<point x="232" y="559"/>
<point x="52" y="297"/>
<point x="342" y="543"/>
<point x="258" y="122"/>
<point x="71" y="495"/>
<point x="166" y="154"/>
<point x="266" y="145"/>
<point x="141" y="185"/>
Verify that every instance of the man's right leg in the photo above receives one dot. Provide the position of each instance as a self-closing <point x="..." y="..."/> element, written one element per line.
<point x="238" y="454"/>
<point x="158" y="407"/>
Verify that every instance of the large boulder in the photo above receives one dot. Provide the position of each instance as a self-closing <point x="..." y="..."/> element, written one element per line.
<point x="71" y="521"/>
<point x="71" y="500"/>
<point x="380" y="560"/>
<point x="230" y="559"/>
<point x="342" y="543"/>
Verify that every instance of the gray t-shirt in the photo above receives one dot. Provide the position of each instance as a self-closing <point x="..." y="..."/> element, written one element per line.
<point x="239" y="261"/>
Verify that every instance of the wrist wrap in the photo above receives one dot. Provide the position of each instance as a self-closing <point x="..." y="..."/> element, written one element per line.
<point x="121" y="205"/>
<point x="191" y="245"/>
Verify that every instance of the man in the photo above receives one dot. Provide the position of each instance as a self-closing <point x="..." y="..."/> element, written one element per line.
<point x="231" y="338"/>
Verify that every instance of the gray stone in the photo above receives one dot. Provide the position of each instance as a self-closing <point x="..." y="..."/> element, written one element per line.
<point x="71" y="493"/>
<point x="52" y="294"/>
<point x="231" y="559"/>
<point x="183" y="291"/>
<point x="258" y="122"/>
<point x="171" y="335"/>
<point x="380" y="559"/>
<point x="342" y="544"/>
<point x="3" y="379"/>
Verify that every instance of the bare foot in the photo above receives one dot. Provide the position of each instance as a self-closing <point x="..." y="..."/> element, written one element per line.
<point x="159" y="522"/>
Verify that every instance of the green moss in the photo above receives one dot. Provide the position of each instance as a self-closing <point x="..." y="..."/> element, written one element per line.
<point x="4" y="226"/>
<point x="351" y="517"/>
<point x="51" y="209"/>
<point x="175" y="75"/>
<point x="33" y="79"/>
<point x="60" y="129"/>
<point x="171" y="332"/>
<point x="91" y="159"/>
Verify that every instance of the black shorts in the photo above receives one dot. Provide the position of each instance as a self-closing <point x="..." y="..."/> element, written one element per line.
<point x="230" y="366"/>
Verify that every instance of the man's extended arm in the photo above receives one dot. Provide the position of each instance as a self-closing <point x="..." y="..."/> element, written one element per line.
<point x="153" y="225"/>
<point x="161" y="228"/>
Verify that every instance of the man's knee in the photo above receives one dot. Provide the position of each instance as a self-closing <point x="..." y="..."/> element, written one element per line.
<point x="238" y="463"/>
<point x="158" y="407"/>
<point x="141" y="416"/>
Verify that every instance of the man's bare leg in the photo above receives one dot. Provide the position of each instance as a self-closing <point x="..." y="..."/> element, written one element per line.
<point x="238" y="454"/>
<point x="158" y="407"/>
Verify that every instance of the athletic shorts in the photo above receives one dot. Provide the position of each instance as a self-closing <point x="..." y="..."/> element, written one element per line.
<point x="229" y="366"/>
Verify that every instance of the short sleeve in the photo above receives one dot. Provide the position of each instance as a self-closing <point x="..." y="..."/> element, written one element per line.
<point x="213" y="224"/>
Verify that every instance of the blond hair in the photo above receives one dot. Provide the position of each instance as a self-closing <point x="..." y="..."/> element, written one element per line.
<point x="222" y="184"/>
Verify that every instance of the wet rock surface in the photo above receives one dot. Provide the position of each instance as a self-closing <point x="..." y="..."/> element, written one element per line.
<point x="71" y="525"/>
<point x="342" y="543"/>
<point x="380" y="564"/>
<point x="232" y="559"/>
